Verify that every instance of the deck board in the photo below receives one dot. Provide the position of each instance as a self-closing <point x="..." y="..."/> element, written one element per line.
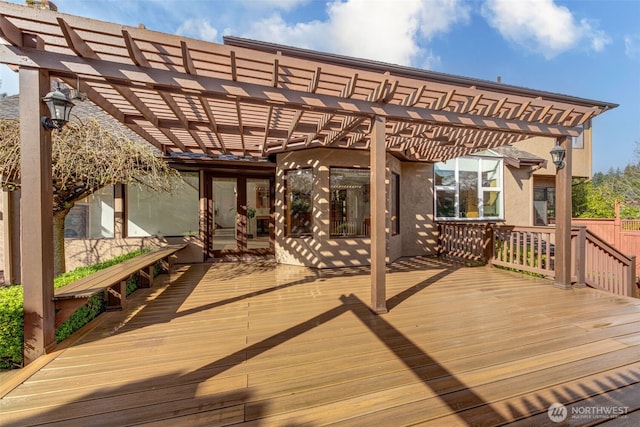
<point x="266" y="344"/>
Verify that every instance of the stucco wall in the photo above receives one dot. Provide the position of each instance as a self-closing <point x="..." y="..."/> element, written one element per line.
<point x="518" y="196"/>
<point x="417" y="228"/>
<point x="80" y="252"/>
<point x="322" y="251"/>
<point x="581" y="160"/>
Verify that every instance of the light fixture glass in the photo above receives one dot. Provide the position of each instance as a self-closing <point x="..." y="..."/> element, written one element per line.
<point x="557" y="156"/>
<point x="59" y="109"/>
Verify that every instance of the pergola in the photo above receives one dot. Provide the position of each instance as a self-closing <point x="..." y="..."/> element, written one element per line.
<point x="252" y="99"/>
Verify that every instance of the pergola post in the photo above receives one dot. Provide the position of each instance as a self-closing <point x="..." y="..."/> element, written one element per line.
<point x="36" y="215"/>
<point x="11" y="229"/>
<point x="563" y="219"/>
<point x="378" y="197"/>
<point x="119" y="218"/>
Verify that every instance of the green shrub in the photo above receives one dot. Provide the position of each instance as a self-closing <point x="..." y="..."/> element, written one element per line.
<point x="11" y="327"/>
<point x="94" y="306"/>
<point x="11" y="310"/>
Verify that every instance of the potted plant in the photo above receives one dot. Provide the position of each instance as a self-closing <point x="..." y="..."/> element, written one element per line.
<point x="251" y="213"/>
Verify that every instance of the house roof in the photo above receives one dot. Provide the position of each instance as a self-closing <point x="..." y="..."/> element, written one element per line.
<point x="9" y="109"/>
<point x="251" y="99"/>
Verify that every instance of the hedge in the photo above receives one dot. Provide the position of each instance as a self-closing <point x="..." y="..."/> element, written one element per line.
<point x="11" y="311"/>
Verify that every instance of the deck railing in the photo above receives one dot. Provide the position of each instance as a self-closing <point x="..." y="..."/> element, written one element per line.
<point x="605" y="267"/>
<point x="532" y="249"/>
<point x="524" y="248"/>
<point x="469" y="241"/>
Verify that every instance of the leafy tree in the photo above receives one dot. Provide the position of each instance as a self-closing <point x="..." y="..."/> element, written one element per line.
<point x="597" y="198"/>
<point x="85" y="157"/>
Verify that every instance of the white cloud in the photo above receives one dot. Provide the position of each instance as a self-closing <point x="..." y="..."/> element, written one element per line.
<point x="198" y="28"/>
<point x="632" y="46"/>
<point x="542" y="26"/>
<point x="393" y="32"/>
<point x="275" y="4"/>
<point x="275" y="30"/>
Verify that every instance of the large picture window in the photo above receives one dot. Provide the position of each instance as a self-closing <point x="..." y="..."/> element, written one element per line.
<point x="91" y="217"/>
<point x="350" y="211"/>
<point x="469" y="188"/>
<point x="298" y="208"/>
<point x="152" y="213"/>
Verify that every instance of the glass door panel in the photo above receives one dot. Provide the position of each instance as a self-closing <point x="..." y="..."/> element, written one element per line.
<point x="258" y="213"/>
<point x="225" y="193"/>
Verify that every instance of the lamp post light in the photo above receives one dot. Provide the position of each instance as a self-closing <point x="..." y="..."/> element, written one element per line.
<point x="557" y="156"/>
<point x="59" y="108"/>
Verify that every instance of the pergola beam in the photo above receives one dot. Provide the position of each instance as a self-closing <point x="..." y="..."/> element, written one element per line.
<point x="211" y="87"/>
<point x="83" y="50"/>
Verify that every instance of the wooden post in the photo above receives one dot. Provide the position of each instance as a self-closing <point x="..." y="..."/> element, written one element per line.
<point x="581" y="252"/>
<point x="617" y="227"/>
<point x="378" y="198"/>
<point x="119" y="220"/>
<point x="631" y="278"/>
<point x="488" y="244"/>
<point x="36" y="215"/>
<point x="563" y="219"/>
<point x="11" y="229"/>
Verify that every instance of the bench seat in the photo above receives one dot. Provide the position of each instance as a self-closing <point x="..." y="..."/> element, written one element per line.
<point x="113" y="280"/>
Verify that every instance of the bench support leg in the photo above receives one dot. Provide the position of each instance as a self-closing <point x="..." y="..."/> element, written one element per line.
<point x="65" y="308"/>
<point x="117" y="296"/>
<point x="146" y="277"/>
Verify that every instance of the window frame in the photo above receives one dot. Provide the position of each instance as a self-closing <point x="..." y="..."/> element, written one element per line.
<point x="332" y="233"/>
<point x="286" y="205"/>
<point x="128" y="206"/>
<point x="394" y="202"/>
<point x="481" y="189"/>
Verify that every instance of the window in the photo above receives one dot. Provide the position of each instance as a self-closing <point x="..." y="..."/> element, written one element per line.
<point x="395" y="203"/>
<point x="92" y="217"/>
<point x="350" y="212"/>
<point x="544" y="205"/>
<point x="151" y="213"/>
<point x="298" y="207"/>
<point x="577" y="142"/>
<point x="468" y="188"/>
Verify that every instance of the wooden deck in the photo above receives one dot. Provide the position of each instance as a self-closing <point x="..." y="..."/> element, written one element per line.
<point x="274" y="345"/>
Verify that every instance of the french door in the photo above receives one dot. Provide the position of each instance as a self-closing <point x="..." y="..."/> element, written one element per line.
<point x="241" y="212"/>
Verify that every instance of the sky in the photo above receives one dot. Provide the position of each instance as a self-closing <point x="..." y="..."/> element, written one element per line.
<point x="583" y="48"/>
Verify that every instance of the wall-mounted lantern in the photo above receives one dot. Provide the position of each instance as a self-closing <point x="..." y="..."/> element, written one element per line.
<point x="557" y="155"/>
<point x="59" y="108"/>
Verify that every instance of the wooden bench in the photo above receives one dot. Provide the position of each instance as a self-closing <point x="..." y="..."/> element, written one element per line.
<point x="113" y="281"/>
